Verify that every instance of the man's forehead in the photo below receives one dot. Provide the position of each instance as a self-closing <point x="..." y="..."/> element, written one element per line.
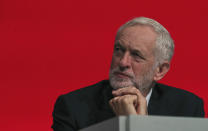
<point x="138" y="31"/>
<point x="138" y="36"/>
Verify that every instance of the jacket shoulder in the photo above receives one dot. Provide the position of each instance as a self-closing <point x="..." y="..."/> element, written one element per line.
<point x="177" y="101"/>
<point x="176" y="92"/>
<point x="75" y="110"/>
<point x="87" y="92"/>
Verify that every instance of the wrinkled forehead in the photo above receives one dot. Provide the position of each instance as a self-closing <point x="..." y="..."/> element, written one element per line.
<point x="138" y="31"/>
<point x="142" y="37"/>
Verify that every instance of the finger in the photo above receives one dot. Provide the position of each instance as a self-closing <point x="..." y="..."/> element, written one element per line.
<point x="126" y="100"/>
<point x="127" y="90"/>
<point x="140" y="104"/>
<point x="117" y="92"/>
<point x="123" y="105"/>
<point x="115" y="104"/>
<point x="141" y="100"/>
<point x="121" y="90"/>
<point x="112" y="106"/>
<point x="127" y="104"/>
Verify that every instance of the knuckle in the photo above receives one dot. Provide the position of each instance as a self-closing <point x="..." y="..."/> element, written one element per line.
<point x="111" y="101"/>
<point x="125" y="100"/>
<point x="115" y="100"/>
<point x="134" y="88"/>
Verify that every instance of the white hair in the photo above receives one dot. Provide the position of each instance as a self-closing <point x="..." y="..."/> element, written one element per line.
<point x="164" y="42"/>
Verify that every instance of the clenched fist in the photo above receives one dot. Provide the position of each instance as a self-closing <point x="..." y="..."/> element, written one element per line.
<point x="128" y="101"/>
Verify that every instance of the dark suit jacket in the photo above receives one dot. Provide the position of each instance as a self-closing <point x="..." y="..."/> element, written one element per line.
<point x="87" y="106"/>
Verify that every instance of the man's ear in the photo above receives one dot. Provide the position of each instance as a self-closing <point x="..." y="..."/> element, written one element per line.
<point x="161" y="70"/>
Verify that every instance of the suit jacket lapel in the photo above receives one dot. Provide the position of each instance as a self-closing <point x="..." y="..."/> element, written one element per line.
<point x="154" y="102"/>
<point x="159" y="104"/>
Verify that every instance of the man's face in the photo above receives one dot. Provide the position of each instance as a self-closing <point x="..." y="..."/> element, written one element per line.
<point x="133" y="58"/>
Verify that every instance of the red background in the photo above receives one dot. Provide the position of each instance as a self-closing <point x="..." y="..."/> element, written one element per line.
<point x="51" y="47"/>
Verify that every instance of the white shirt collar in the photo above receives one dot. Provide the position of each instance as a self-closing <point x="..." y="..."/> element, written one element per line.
<point x="148" y="96"/>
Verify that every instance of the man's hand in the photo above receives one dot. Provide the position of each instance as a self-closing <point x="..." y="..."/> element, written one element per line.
<point x="128" y="101"/>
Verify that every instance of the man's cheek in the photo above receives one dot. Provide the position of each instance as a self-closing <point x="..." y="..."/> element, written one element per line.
<point x="114" y="63"/>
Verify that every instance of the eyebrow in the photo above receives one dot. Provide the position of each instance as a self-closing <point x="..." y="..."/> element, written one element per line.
<point x="117" y="43"/>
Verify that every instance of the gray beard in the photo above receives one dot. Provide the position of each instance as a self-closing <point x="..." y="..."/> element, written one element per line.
<point x="144" y="83"/>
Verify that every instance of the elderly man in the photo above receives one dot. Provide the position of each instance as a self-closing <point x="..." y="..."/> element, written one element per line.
<point x="142" y="53"/>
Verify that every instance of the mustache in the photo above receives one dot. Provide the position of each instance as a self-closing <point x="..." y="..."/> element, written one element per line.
<point x="118" y="71"/>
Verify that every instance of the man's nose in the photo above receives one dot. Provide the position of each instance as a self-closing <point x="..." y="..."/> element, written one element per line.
<point x="125" y="60"/>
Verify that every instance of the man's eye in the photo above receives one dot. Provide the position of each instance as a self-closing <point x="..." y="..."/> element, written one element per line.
<point x="136" y="55"/>
<point x="117" y="48"/>
<point x="118" y="51"/>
